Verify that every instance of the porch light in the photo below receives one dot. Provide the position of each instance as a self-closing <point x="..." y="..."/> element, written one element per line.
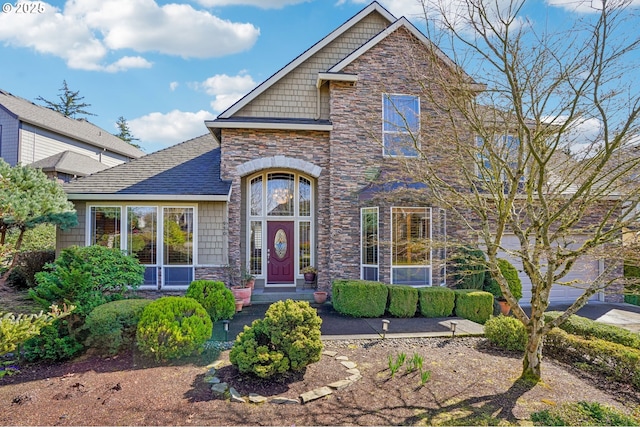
<point x="385" y="327"/>
<point x="225" y="324"/>
<point x="453" y="325"/>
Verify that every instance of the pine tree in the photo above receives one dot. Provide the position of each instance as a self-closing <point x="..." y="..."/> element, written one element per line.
<point x="125" y="133"/>
<point x="70" y="103"/>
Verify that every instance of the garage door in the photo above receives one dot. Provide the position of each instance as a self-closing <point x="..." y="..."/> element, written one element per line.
<point x="584" y="271"/>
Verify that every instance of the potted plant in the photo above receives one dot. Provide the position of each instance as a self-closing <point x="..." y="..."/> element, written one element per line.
<point x="515" y="285"/>
<point x="309" y="273"/>
<point x="238" y="285"/>
<point x="320" y="297"/>
<point x="248" y="279"/>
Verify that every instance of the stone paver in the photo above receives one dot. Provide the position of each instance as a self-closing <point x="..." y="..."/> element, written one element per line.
<point x="315" y="394"/>
<point x="349" y="365"/>
<point x="256" y="398"/>
<point x="340" y="384"/>
<point x="235" y="396"/>
<point x="284" y="401"/>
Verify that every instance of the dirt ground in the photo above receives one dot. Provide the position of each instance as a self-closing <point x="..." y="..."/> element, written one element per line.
<point x="470" y="383"/>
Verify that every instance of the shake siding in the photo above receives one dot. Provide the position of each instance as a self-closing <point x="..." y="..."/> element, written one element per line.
<point x="212" y="239"/>
<point x="76" y="235"/>
<point x="9" y="126"/>
<point x="295" y="95"/>
<point x="38" y="144"/>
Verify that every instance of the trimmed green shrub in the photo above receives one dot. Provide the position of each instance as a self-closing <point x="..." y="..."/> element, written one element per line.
<point x="403" y="301"/>
<point x="14" y="330"/>
<point x="632" y="299"/>
<point x="506" y="332"/>
<point x="582" y="326"/>
<point x="87" y="277"/>
<point x="215" y="297"/>
<point x="436" y="301"/>
<point x="54" y="344"/>
<point x="616" y="361"/>
<point x="173" y="327"/>
<point x="359" y="298"/>
<point x="468" y="268"/>
<point x="582" y="414"/>
<point x="287" y="339"/>
<point x="510" y="273"/>
<point x="474" y="305"/>
<point x="112" y="326"/>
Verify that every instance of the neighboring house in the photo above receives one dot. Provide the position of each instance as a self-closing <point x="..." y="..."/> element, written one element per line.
<point x="64" y="148"/>
<point x="289" y="176"/>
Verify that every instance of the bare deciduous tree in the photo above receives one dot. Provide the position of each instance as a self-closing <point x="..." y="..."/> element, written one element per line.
<point x="507" y="155"/>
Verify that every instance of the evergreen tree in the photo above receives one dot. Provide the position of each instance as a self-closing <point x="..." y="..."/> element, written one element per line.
<point x="69" y="104"/>
<point x="125" y="133"/>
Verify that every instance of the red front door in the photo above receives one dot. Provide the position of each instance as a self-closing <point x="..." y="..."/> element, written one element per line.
<point x="280" y="259"/>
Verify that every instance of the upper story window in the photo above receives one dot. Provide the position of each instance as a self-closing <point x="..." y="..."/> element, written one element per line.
<point x="400" y="124"/>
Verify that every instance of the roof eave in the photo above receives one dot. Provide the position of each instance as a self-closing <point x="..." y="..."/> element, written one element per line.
<point x="151" y="197"/>
<point x="223" y="124"/>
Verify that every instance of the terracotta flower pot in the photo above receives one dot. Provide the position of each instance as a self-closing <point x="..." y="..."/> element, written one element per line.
<point x="239" y="305"/>
<point x="505" y="308"/>
<point x="320" y="297"/>
<point x="243" y="294"/>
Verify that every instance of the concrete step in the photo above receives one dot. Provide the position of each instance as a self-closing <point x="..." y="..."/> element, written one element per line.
<point x="266" y="296"/>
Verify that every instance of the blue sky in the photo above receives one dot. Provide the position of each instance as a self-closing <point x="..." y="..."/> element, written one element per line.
<point x="166" y="66"/>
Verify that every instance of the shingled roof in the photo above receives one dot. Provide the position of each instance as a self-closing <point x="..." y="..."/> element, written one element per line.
<point x="79" y="129"/>
<point x="186" y="171"/>
<point x="71" y="163"/>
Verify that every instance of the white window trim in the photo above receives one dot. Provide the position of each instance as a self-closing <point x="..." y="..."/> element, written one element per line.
<point x="429" y="266"/>
<point x="265" y="218"/>
<point x="159" y="235"/>
<point x="362" y="264"/>
<point x="387" y="96"/>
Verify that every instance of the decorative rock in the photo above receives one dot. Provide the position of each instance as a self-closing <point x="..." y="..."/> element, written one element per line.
<point x="256" y="398"/>
<point x="235" y="396"/>
<point x="355" y="378"/>
<point x="211" y="371"/>
<point x="330" y="353"/>
<point x="219" y="388"/>
<point x="342" y="358"/>
<point x="315" y="394"/>
<point x="354" y="371"/>
<point x="284" y="401"/>
<point x="349" y="365"/>
<point x="211" y="379"/>
<point x="340" y="384"/>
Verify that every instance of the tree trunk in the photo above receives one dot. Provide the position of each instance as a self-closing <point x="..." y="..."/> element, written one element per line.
<point x="532" y="362"/>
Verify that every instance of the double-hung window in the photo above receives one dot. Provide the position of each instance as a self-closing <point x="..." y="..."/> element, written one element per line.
<point x="400" y="125"/>
<point x="369" y="243"/>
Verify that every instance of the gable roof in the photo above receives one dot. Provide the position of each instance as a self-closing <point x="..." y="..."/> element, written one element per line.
<point x="79" y="129"/>
<point x="261" y="88"/>
<point x="188" y="171"/>
<point x="69" y="162"/>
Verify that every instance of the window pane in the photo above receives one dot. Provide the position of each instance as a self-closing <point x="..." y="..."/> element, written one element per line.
<point x="178" y="236"/>
<point x="105" y="226"/>
<point x="304" y="189"/>
<point x="151" y="276"/>
<point x="411" y="231"/>
<point x="280" y="190"/>
<point x="305" y="244"/>
<point x="255" y="264"/>
<point x="178" y="276"/>
<point x="256" y="196"/>
<point x="401" y="124"/>
<point x="410" y="276"/>
<point x="369" y="236"/>
<point x="370" y="273"/>
<point x="142" y="233"/>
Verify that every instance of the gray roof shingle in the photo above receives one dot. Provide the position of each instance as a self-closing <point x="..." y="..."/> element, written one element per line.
<point x="190" y="169"/>
<point x="71" y="163"/>
<point x="79" y="129"/>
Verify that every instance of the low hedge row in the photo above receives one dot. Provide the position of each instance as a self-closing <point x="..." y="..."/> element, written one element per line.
<point x="617" y="361"/>
<point x="584" y="327"/>
<point x="361" y="298"/>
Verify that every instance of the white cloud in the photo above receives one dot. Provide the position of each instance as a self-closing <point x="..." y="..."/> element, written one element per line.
<point x="263" y="4"/>
<point x="584" y="6"/>
<point x="86" y="31"/>
<point x="226" y="89"/>
<point x="160" y="130"/>
<point x="173" y="86"/>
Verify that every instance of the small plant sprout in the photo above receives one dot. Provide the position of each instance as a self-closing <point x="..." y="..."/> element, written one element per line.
<point x="394" y="366"/>
<point x="424" y="376"/>
<point x="415" y="363"/>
